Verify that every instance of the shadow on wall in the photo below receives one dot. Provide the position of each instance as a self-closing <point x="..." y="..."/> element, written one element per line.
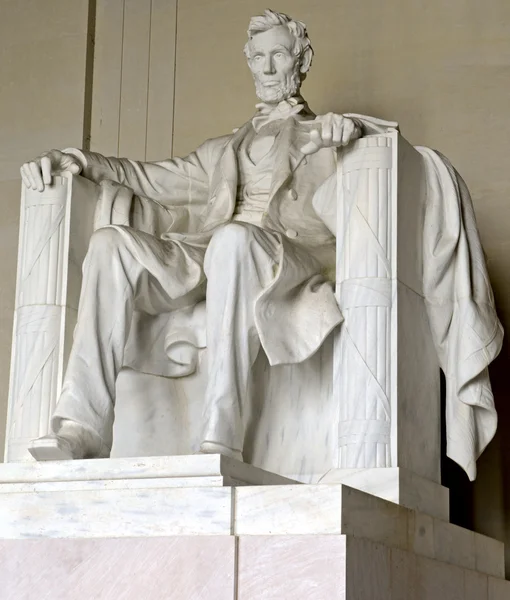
<point x="491" y="491"/>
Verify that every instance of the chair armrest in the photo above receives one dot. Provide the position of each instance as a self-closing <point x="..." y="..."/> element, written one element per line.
<point x="55" y="229"/>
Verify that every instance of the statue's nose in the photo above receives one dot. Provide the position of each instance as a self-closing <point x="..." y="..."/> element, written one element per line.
<point x="268" y="65"/>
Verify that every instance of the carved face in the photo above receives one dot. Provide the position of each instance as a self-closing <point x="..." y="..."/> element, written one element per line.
<point x="274" y="66"/>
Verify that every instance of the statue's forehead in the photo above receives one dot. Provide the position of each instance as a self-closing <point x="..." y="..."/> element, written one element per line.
<point x="276" y="36"/>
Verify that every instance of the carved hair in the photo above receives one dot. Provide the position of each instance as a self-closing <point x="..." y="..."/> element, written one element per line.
<point x="271" y="19"/>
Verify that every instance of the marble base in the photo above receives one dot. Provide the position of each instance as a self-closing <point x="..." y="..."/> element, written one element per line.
<point x="159" y="496"/>
<point x="246" y="567"/>
<point x="338" y="509"/>
<point x="397" y="485"/>
<point x="320" y="567"/>
<point x="196" y="470"/>
<point x="168" y="568"/>
<point x="173" y="528"/>
<point x="146" y="498"/>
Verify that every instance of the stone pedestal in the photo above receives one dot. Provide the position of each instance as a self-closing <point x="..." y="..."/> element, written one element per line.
<point x="397" y="485"/>
<point x="361" y="417"/>
<point x="140" y="529"/>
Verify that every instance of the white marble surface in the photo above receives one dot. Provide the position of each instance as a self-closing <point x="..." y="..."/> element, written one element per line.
<point x="351" y="568"/>
<point x="112" y="484"/>
<point x="211" y="184"/>
<point x="319" y="509"/>
<point x="159" y="568"/>
<point x="310" y="567"/>
<point x="397" y="485"/>
<point x="279" y="567"/>
<point x="143" y="506"/>
<point x="289" y="542"/>
<point x="54" y="234"/>
<point x="187" y="468"/>
<point x="338" y="509"/>
<point x="116" y="513"/>
<point x="160" y="416"/>
<point x="275" y="197"/>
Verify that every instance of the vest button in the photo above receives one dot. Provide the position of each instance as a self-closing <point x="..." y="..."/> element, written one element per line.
<point x="293" y="195"/>
<point x="291" y="233"/>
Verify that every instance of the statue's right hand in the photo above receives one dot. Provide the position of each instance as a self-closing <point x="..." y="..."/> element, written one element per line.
<point x="37" y="173"/>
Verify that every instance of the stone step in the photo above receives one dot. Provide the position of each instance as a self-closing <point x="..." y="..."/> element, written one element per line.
<point x="339" y="509"/>
<point x="181" y="471"/>
<point x="246" y="567"/>
<point x="278" y="510"/>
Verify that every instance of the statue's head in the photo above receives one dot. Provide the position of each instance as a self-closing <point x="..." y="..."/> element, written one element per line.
<point x="279" y="55"/>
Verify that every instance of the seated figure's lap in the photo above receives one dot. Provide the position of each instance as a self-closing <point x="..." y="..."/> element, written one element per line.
<point x="240" y="241"/>
<point x="167" y="274"/>
<point x="163" y="274"/>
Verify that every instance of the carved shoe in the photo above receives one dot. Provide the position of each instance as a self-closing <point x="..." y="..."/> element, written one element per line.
<point x="73" y="441"/>
<point x="216" y="448"/>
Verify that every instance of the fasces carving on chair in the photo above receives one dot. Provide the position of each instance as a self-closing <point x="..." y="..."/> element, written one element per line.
<point x="294" y="229"/>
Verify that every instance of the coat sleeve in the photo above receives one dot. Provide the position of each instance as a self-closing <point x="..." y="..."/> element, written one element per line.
<point x="460" y="306"/>
<point x="372" y="125"/>
<point x="171" y="182"/>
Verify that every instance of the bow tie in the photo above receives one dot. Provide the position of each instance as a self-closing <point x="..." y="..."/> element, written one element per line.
<point x="283" y="110"/>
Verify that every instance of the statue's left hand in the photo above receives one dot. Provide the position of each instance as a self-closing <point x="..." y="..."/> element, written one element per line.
<point x="331" y="130"/>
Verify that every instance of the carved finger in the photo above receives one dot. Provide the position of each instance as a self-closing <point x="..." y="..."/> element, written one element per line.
<point x="68" y="162"/>
<point x="24" y="176"/>
<point x="327" y="132"/>
<point x="35" y="171"/>
<point x="28" y="173"/>
<point x="46" y="169"/>
<point x="315" y="143"/>
<point x="348" y="132"/>
<point x="338" y="129"/>
<point x="75" y="168"/>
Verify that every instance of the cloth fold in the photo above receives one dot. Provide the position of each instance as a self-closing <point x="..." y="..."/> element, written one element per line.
<point x="460" y="305"/>
<point x="267" y="113"/>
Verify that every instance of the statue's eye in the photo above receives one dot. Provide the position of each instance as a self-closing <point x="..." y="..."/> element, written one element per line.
<point x="278" y="55"/>
<point x="257" y="57"/>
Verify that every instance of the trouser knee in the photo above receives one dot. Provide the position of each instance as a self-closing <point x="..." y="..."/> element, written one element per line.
<point x="230" y="242"/>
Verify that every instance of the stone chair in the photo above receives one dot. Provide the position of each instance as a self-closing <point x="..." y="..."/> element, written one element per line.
<point x="364" y="410"/>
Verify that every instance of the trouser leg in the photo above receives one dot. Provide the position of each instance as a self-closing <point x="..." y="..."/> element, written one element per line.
<point x="115" y="282"/>
<point x="240" y="263"/>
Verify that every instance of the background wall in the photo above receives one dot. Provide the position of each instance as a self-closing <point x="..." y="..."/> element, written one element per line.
<point x="166" y="74"/>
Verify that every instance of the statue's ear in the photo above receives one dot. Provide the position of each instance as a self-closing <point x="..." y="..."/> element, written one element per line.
<point x="306" y="60"/>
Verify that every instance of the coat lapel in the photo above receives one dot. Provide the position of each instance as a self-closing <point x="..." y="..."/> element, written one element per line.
<point x="288" y="158"/>
<point x="288" y="155"/>
<point x="224" y="191"/>
<point x="228" y="163"/>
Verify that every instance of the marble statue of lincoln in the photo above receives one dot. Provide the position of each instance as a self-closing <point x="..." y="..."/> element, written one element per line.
<point x="258" y="254"/>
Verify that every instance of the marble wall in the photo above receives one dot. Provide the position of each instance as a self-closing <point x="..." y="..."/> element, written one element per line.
<point x="168" y="74"/>
<point x="133" y="86"/>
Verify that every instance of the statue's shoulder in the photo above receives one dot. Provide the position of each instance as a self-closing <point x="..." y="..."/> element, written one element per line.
<point x="213" y="148"/>
<point x="216" y="144"/>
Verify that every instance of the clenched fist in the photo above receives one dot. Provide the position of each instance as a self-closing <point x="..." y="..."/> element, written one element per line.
<point x="37" y="173"/>
<point x="331" y="130"/>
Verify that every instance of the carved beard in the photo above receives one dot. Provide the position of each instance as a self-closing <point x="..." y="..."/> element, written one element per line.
<point x="287" y="89"/>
